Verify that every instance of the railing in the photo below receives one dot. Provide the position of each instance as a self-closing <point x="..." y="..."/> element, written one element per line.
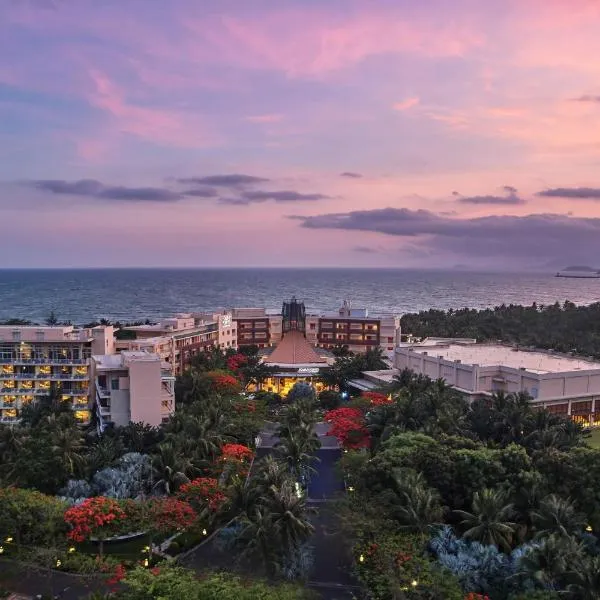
<point x="44" y="361"/>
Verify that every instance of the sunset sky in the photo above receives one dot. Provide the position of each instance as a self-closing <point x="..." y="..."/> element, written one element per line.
<point x="300" y="133"/>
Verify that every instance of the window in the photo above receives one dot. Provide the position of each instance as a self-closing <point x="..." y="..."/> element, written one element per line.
<point x="390" y="340"/>
<point x="16" y="336"/>
<point x="313" y="326"/>
<point x="114" y="383"/>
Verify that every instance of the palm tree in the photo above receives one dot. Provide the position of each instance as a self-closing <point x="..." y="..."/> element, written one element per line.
<point x="68" y="446"/>
<point x="551" y="561"/>
<point x="297" y="452"/>
<point x="288" y="511"/>
<point x="420" y="505"/>
<point x="269" y="472"/>
<point x="170" y="469"/>
<point x="489" y="522"/>
<point x="557" y="515"/>
<point x="585" y="580"/>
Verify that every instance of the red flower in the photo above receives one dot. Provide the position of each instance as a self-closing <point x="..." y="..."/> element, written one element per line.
<point x="376" y="398"/>
<point x="98" y="516"/>
<point x="223" y="382"/>
<point x="236" y="452"/>
<point x="347" y="425"/>
<point x="203" y="491"/>
<point x="476" y="596"/>
<point x="235" y="362"/>
<point x="169" y="514"/>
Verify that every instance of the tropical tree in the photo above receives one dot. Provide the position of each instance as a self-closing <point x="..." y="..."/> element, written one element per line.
<point x="171" y="470"/>
<point x="489" y="522"/>
<point x="557" y="515"/>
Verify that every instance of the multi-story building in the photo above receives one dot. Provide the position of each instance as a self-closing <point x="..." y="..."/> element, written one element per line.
<point x="354" y="328"/>
<point x="35" y="360"/>
<point x="563" y="384"/>
<point x="177" y="340"/>
<point x="132" y="386"/>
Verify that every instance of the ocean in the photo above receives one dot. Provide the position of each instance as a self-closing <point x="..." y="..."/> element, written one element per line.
<point x="83" y="295"/>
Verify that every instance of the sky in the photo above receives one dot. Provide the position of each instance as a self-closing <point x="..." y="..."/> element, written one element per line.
<point x="352" y="133"/>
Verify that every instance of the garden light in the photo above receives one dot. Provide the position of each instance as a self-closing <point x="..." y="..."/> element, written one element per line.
<point x="204" y="532"/>
<point x="589" y="529"/>
<point x="1" y="549"/>
<point x="58" y="562"/>
<point x="350" y="488"/>
<point x="9" y="540"/>
<point x="146" y="549"/>
<point x="414" y="583"/>
<point x="72" y="549"/>
<point x="361" y="558"/>
<point x="146" y="562"/>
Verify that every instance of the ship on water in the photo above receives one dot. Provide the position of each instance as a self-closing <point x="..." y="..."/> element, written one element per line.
<point x="579" y="273"/>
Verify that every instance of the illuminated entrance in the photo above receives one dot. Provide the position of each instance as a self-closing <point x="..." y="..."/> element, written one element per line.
<point x="296" y="360"/>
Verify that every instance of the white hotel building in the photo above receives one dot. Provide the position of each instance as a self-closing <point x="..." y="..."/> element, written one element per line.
<point x="563" y="384"/>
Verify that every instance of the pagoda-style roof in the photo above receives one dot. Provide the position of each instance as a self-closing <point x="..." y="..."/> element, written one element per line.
<point x="294" y="349"/>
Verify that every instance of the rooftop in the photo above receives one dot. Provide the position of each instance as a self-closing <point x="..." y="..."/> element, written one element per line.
<point x="109" y="362"/>
<point x="294" y="349"/>
<point x="488" y="355"/>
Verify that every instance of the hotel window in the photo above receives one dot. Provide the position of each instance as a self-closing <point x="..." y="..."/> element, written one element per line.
<point x="390" y="340"/>
<point x="356" y="326"/>
<point x="341" y="325"/>
<point x="114" y="383"/>
<point x="313" y="326"/>
<point x="326" y="325"/>
<point x="260" y="335"/>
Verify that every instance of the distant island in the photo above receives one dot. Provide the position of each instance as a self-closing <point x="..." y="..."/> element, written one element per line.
<point x="579" y="272"/>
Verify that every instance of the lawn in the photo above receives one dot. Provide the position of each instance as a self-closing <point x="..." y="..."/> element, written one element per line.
<point x="594" y="439"/>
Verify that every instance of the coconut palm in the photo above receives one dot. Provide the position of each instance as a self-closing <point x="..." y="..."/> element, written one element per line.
<point x="170" y="469"/>
<point x="68" y="446"/>
<point x="585" y="580"/>
<point x="419" y="505"/>
<point x="297" y="452"/>
<point x="288" y="512"/>
<point x="557" y="515"/>
<point x="552" y="561"/>
<point x="489" y="522"/>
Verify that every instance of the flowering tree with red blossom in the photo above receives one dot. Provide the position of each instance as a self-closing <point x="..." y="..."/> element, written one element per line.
<point x="377" y="398"/>
<point x="99" y="517"/>
<point x="223" y="382"/>
<point x="348" y="426"/>
<point x="167" y="515"/>
<point x="236" y="362"/>
<point x="203" y="493"/>
<point x="235" y="459"/>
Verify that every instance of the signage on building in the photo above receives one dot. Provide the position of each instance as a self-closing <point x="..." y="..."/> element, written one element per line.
<point x="308" y="370"/>
<point x="226" y="320"/>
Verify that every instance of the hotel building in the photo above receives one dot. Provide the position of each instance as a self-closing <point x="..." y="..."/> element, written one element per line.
<point x="354" y="328"/>
<point x="33" y="360"/>
<point x="132" y="386"/>
<point x="177" y="340"/>
<point x="563" y="384"/>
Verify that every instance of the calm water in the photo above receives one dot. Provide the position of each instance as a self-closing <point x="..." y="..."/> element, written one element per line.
<point x="84" y="295"/>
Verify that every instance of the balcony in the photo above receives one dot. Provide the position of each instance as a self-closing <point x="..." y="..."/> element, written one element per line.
<point x="44" y="361"/>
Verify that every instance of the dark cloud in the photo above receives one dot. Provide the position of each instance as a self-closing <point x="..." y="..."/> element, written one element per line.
<point x="235" y="201"/>
<point x="583" y="193"/>
<point x="282" y="196"/>
<point x="588" y="98"/>
<point x="530" y="238"/>
<point x="365" y="250"/>
<point x="232" y="180"/>
<point x="202" y="192"/>
<point x="351" y="175"/>
<point x="511" y="198"/>
<point x="96" y="189"/>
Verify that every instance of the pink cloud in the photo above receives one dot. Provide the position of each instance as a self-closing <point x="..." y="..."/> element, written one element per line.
<point x="169" y="126"/>
<point x="269" y="118"/>
<point x="406" y="104"/>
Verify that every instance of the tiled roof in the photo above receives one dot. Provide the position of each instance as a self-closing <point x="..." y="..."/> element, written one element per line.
<point x="294" y="349"/>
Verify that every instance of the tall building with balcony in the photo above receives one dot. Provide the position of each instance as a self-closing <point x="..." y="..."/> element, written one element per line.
<point x="350" y="327"/>
<point x="132" y="387"/>
<point x="177" y="340"/>
<point x="34" y="360"/>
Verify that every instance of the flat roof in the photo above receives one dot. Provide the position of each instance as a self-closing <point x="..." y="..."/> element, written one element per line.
<point x="491" y="355"/>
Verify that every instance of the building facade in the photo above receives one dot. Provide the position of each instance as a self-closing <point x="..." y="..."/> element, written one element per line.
<point x="35" y="361"/>
<point x="177" y="340"/>
<point x="132" y="387"/>
<point x="353" y="328"/>
<point x="562" y="384"/>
